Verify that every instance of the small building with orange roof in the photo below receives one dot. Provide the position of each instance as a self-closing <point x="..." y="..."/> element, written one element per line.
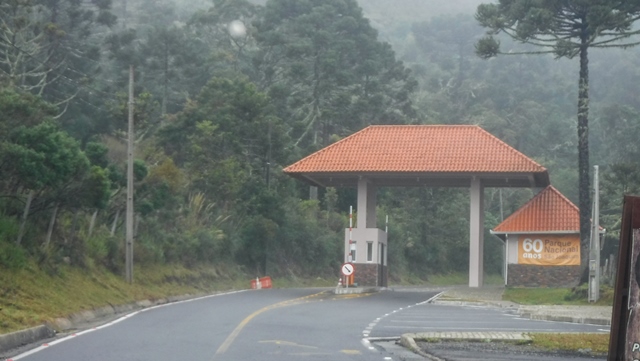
<point x="542" y="242"/>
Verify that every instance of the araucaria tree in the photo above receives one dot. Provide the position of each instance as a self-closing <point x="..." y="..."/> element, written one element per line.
<point x="566" y="28"/>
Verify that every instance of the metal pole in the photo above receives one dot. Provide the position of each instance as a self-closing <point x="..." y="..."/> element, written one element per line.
<point x="350" y="233"/>
<point x="129" y="220"/>
<point x="594" y="259"/>
<point x="501" y="209"/>
<point x="506" y="259"/>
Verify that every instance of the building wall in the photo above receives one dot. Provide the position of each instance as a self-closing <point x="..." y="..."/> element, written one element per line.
<point x="369" y="275"/>
<point x="522" y="275"/>
<point x="361" y="237"/>
<point x="512" y="248"/>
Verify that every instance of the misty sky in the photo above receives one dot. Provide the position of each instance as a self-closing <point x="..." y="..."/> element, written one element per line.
<point x="416" y="10"/>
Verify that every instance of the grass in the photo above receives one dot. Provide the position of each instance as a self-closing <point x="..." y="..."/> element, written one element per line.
<point x="31" y="296"/>
<point x="596" y="343"/>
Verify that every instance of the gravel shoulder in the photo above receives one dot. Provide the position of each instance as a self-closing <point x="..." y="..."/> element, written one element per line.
<point x="497" y="351"/>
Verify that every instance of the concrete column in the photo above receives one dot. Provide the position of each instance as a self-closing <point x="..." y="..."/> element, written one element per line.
<point x="372" y="199"/>
<point x="476" y="234"/>
<point x="366" y="204"/>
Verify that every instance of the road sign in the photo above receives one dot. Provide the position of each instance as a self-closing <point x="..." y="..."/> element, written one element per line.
<point x="347" y="269"/>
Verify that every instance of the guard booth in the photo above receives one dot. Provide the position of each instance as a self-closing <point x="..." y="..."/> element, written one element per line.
<point x="366" y="247"/>
<point x="368" y="253"/>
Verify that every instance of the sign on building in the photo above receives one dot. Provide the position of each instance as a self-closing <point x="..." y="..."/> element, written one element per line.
<point x="549" y="250"/>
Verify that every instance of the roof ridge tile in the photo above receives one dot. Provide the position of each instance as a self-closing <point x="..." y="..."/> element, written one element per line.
<point x="418" y="148"/>
<point x="547" y="211"/>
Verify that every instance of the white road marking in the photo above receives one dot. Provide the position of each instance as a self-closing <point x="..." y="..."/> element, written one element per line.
<point x="55" y="342"/>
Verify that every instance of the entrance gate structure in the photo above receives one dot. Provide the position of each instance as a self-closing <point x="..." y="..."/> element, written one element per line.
<point x="415" y="156"/>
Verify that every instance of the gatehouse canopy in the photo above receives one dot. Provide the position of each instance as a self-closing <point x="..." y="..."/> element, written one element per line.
<point x="420" y="155"/>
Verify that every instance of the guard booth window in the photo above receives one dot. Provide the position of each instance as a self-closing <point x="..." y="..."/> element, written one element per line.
<point x="369" y="251"/>
<point x="353" y="251"/>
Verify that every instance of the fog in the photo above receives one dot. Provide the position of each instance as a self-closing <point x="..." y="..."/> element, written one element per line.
<point x="219" y="114"/>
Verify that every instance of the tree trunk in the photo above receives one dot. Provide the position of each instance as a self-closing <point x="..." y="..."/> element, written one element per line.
<point x="52" y="222"/>
<point x="583" y="159"/>
<point x="93" y="222"/>
<point x="165" y="85"/>
<point x="25" y="215"/>
<point x="115" y="223"/>
<point x="74" y="222"/>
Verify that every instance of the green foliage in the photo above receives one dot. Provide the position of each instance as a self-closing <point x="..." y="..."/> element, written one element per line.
<point x="21" y="109"/>
<point x="597" y="343"/>
<point x="97" y="154"/>
<point x="210" y="149"/>
<point x="327" y="71"/>
<point x="95" y="188"/>
<point x="12" y="257"/>
<point x="8" y="229"/>
<point x="43" y="156"/>
<point x="102" y="248"/>
<point x="424" y="248"/>
<point x="140" y="170"/>
<point x="562" y="27"/>
<point x="487" y="47"/>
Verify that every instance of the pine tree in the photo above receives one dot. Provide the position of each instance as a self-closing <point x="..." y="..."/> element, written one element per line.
<point x="566" y="28"/>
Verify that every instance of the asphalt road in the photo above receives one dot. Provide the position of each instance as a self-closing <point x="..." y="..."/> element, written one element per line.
<point x="308" y="324"/>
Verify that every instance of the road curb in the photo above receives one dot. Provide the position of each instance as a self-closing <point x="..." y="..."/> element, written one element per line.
<point x="24" y="337"/>
<point x="408" y="341"/>
<point x="568" y="319"/>
<point x="357" y="290"/>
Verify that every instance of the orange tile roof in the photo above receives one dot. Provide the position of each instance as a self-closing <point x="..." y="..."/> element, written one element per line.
<point x="418" y="148"/>
<point x="548" y="211"/>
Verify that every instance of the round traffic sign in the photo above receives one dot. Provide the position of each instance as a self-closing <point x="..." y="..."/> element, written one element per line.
<point x="348" y="269"/>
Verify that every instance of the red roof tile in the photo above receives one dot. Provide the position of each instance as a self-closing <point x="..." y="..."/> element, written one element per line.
<point x="418" y="148"/>
<point x="548" y="211"/>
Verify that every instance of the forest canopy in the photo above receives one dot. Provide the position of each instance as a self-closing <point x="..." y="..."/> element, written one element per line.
<point x="218" y="114"/>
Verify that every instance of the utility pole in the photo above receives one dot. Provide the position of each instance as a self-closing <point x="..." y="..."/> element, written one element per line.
<point x="129" y="220"/>
<point x="269" y="156"/>
<point x="594" y="256"/>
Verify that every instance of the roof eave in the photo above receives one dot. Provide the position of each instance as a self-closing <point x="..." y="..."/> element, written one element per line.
<point x="412" y="179"/>
<point x="533" y="232"/>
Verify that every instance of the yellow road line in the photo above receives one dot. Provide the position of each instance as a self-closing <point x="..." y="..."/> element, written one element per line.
<point x="351" y="352"/>
<point x="225" y="345"/>
<point x="287" y="343"/>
